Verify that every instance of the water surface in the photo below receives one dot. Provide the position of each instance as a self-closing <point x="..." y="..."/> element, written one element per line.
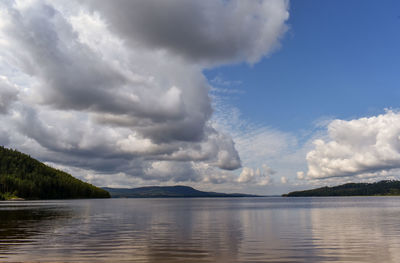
<point x="341" y="229"/>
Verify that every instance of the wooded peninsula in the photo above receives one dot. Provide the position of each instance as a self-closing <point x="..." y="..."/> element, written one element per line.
<point x="24" y="177"/>
<point x="382" y="188"/>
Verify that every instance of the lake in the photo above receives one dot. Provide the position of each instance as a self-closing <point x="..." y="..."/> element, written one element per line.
<point x="271" y="229"/>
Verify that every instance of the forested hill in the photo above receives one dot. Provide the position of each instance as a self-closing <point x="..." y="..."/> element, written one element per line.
<point x="353" y="189"/>
<point x="24" y="177"/>
<point x="166" y="191"/>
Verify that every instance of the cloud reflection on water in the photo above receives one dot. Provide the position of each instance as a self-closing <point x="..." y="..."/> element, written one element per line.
<point x="208" y="230"/>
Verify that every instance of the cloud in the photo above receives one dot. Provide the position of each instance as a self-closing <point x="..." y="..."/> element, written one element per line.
<point x="256" y="142"/>
<point x="118" y="88"/>
<point x="357" y="147"/>
<point x="4" y="137"/>
<point x="284" y="180"/>
<point x="219" y="81"/>
<point x="300" y="175"/>
<point x="172" y="171"/>
<point x="206" y="32"/>
<point x="257" y="176"/>
<point x="8" y="94"/>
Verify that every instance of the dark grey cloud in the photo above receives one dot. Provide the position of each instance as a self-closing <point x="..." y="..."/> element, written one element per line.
<point x="208" y="31"/>
<point x="8" y="94"/>
<point x="4" y="138"/>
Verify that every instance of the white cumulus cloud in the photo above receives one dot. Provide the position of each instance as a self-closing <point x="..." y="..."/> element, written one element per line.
<point x="257" y="176"/>
<point x="361" y="147"/>
<point x="284" y="180"/>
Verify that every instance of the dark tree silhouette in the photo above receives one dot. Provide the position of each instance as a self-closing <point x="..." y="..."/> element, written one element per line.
<point x="387" y="187"/>
<point x="25" y="177"/>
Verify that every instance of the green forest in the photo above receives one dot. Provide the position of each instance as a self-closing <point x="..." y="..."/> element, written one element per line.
<point x="387" y="187"/>
<point x="24" y="177"/>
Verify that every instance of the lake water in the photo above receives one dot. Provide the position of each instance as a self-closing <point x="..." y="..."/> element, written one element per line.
<point x="360" y="229"/>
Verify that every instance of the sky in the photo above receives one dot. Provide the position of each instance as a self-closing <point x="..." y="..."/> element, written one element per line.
<point x="261" y="97"/>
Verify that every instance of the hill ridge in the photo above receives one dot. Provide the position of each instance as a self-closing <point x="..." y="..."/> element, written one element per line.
<point x="167" y="191"/>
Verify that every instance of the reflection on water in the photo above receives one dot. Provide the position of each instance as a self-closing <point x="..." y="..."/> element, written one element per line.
<point x="202" y="230"/>
<point x="371" y="234"/>
<point x="21" y="222"/>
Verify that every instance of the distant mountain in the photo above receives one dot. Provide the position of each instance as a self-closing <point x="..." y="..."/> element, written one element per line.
<point x="353" y="189"/>
<point x="166" y="191"/>
<point x="24" y="177"/>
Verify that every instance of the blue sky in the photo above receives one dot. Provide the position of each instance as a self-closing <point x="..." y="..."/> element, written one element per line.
<point x="339" y="59"/>
<point x="236" y="96"/>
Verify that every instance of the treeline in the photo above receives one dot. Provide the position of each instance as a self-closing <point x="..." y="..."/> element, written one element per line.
<point x="387" y="187"/>
<point x="24" y="177"/>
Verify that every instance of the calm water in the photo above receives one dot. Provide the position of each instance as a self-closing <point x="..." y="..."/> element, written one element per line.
<point x="362" y="229"/>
